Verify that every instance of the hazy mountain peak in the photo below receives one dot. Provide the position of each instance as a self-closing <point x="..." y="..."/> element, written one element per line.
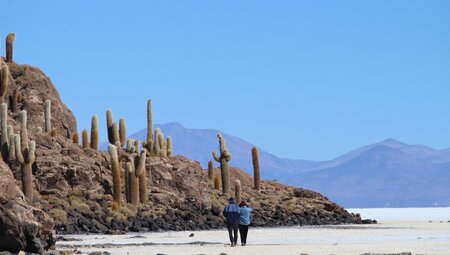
<point x="393" y="143"/>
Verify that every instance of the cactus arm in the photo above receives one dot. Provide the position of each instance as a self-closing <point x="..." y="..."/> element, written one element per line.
<point x="130" y="146"/>
<point x="11" y="148"/>
<point x="17" y="144"/>
<point x="4" y="127"/>
<point x="227" y="155"/>
<point x="31" y="155"/>
<point x="115" y="134"/>
<point x="10" y="130"/>
<point x="216" y="157"/>
<point x="137" y="144"/>
<point x="23" y="130"/>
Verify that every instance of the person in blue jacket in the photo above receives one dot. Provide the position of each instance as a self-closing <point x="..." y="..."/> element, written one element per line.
<point x="244" y="221"/>
<point x="231" y="213"/>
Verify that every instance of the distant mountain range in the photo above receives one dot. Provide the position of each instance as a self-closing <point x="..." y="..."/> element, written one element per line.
<point x="385" y="174"/>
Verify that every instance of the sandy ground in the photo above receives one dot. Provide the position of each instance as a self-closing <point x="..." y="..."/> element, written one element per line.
<point x="418" y="237"/>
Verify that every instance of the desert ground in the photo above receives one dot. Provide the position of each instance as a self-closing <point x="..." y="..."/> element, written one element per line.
<point x="415" y="236"/>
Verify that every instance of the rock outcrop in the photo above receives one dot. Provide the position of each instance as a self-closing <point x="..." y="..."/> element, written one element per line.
<point x="22" y="226"/>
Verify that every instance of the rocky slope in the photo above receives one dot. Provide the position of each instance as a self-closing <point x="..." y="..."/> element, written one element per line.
<point x="74" y="186"/>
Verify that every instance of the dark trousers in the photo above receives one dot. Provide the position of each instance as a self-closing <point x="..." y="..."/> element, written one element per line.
<point x="243" y="230"/>
<point x="233" y="232"/>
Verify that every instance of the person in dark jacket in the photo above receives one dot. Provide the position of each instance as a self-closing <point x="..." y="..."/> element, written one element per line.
<point x="231" y="213"/>
<point x="244" y="221"/>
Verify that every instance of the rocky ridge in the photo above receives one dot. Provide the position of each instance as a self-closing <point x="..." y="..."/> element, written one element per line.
<point x="73" y="186"/>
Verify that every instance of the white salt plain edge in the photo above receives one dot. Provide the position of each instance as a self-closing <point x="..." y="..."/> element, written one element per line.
<point x="404" y="214"/>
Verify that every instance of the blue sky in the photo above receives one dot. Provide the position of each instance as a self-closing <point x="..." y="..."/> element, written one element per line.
<point x="301" y="79"/>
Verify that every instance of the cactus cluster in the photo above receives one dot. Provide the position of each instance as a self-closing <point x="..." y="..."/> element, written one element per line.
<point x="25" y="154"/>
<point x="223" y="159"/>
<point x="135" y="173"/>
<point x="18" y="146"/>
<point x="162" y="147"/>
<point x="85" y="143"/>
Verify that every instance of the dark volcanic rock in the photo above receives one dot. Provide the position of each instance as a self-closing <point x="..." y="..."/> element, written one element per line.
<point x="22" y="226"/>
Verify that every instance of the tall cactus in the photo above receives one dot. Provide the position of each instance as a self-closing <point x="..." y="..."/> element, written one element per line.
<point x="256" y="170"/>
<point x="115" y="134"/>
<point x="122" y="131"/>
<point x="25" y="154"/>
<point x="4" y="82"/>
<point x="137" y="145"/>
<point x="12" y="147"/>
<point x="94" y="133"/>
<point x="223" y="159"/>
<point x="129" y="171"/>
<point x="217" y="182"/>
<point x="115" y="168"/>
<point x="148" y="144"/>
<point x="84" y="139"/>
<point x="237" y="191"/>
<point x="140" y="176"/>
<point x="133" y="184"/>
<point x="169" y="146"/>
<point x="162" y="145"/>
<point x="156" y="145"/>
<point x="141" y="173"/>
<point x="9" y="47"/>
<point x="109" y="124"/>
<point x="4" y="131"/>
<point x="211" y="171"/>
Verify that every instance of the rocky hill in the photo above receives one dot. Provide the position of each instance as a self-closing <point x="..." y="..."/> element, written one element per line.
<point x="73" y="187"/>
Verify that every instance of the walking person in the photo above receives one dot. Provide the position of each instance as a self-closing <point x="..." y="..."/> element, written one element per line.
<point x="231" y="213"/>
<point x="244" y="221"/>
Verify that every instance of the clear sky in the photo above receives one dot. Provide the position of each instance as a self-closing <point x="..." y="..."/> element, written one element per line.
<point x="301" y="79"/>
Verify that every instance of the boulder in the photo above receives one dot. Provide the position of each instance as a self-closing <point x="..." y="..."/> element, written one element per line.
<point x="22" y="226"/>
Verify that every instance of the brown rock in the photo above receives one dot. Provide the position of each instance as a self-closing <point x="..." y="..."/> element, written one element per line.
<point x="22" y="227"/>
